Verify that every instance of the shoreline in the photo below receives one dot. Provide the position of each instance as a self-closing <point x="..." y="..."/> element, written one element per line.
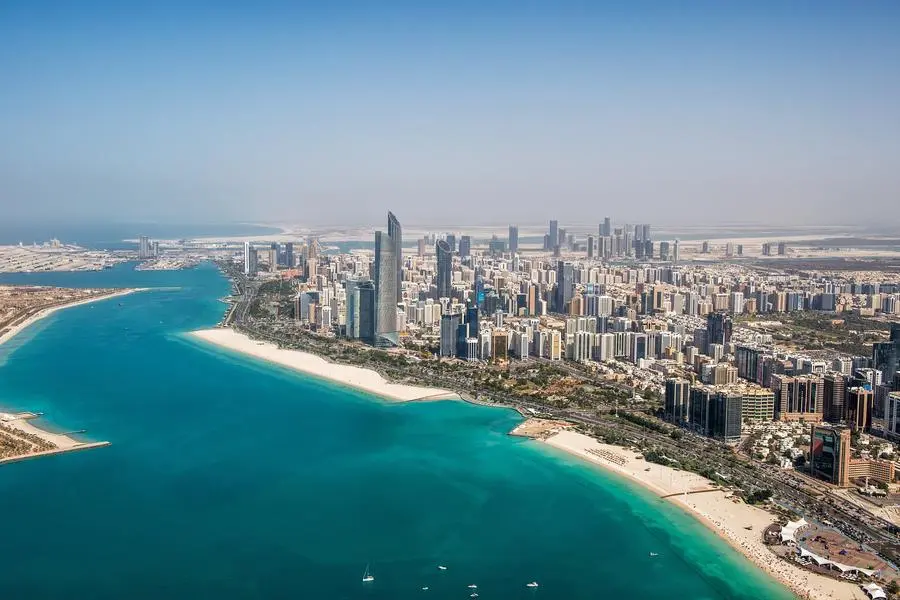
<point x="359" y="378"/>
<point x="18" y="427"/>
<point x="716" y="510"/>
<point x="46" y="312"/>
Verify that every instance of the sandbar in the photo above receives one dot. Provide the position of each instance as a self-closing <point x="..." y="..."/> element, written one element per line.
<point x="360" y="378"/>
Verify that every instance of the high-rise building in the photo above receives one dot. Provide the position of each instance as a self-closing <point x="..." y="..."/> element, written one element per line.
<point x="449" y="327"/>
<point x="829" y="454"/>
<point x="289" y="255"/>
<point x="834" y="397"/>
<point x="144" y="251"/>
<point x="860" y="405"/>
<point x="388" y="271"/>
<point x="886" y="355"/>
<point x="677" y="399"/>
<point x="606" y="228"/>
<point x="565" y="285"/>
<point x="444" y="266"/>
<point x="246" y="258"/>
<point x="554" y="234"/>
<point x="451" y="241"/>
<point x="513" y="239"/>
<point x="798" y="397"/>
<point x="367" y="311"/>
<point x="591" y="249"/>
<point x="718" y="330"/>
<point x="465" y="246"/>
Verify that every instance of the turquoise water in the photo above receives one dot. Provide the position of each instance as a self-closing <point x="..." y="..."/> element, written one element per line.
<point x="229" y="478"/>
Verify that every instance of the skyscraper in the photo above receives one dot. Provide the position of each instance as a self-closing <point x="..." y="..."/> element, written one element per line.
<point x="606" y="229"/>
<point x="246" y="257"/>
<point x="513" y="239"/>
<point x="565" y="285"/>
<point x="395" y="232"/>
<point x="554" y="234"/>
<point x="465" y="246"/>
<point x="444" y="265"/>
<point x="144" y="247"/>
<point x="289" y="255"/>
<point x="367" y="311"/>
<point x="387" y="283"/>
<point x="451" y="241"/>
<point x="718" y="329"/>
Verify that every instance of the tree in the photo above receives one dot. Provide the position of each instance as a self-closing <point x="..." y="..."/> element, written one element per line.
<point x="759" y="496"/>
<point x="893" y="587"/>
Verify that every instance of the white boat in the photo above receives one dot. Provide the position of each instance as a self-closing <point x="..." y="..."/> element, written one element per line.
<point x="652" y="554"/>
<point x="533" y="584"/>
<point x="425" y="589"/>
<point x="473" y="587"/>
<point x="367" y="577"/>
<point x="473" y="595"/>
<point x="442" y="567"/>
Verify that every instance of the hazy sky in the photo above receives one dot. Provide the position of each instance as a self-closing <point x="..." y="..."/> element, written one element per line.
<point x="470" y="112"/>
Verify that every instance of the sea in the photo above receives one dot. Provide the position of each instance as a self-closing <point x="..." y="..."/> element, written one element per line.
<point x="228" y="477"/>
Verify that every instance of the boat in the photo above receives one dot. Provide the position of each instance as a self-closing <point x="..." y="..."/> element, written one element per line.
<point x="367" y="577"/>
<point x="442" y="567"/>
<point x="652" y="554"/>
<point x="533" y="584"/>
<point x="473" y="595"/>
<point x="425" y="589"/>
<point x="473" y="587"/>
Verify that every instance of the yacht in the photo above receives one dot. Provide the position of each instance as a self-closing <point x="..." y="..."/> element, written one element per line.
<point x="367" y="576"/>
<point x="473" y="587"/>
<point x="533" y="584"/>
<point x="652" y="554"/>
<point x="442" y="567"/>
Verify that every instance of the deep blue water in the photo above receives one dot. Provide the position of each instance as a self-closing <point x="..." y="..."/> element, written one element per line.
<point x="229" y="478"/>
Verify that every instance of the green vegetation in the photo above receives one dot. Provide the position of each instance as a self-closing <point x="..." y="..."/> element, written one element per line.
<point x="759" y="496"/>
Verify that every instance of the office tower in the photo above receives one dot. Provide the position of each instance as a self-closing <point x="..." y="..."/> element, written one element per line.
<point x="312" y="259"/>
<point x="451" y="241"/>
<point x="386" y="328"/>
<point x="513" y="239"/>
<point x="449" y="326"/>
<point x="718" y="330"/>
<point x="365" y="290"/>
<point x="465" y="246"/>
<point x="420" y="247"/>
<point x="782" y="248"/>
<point x="144" y="247"/>
<point x="886" y="355"/>
<point x="757" y="404"/>
<point x="561" y="242"/>
<point x="154" y="249"/>
<point x="834" y="406"/>
<point x="591" y="252"/>
<point x="565" y="285"/>
<point x="664" y="251"/>
<point x="704" y="248"/>
<point x="444" y="266"/>
<point x="472" y="321"/>
<point x="289" y="255"/>
<point x="351" y="287"/>
<point x="496" y="246"/>
<point x="675" y="252"/>
<point x="677" y="400"/>
<point x="798" y="397"/>
<point x="246" y="258"/>
<point x="829" y="454"/>
<point x="606" y="229"/>
<point x="860" y="402"/>
<point x="554" y="235"/>
<point x="395" y="233"/>
<point x="645" y="236"/>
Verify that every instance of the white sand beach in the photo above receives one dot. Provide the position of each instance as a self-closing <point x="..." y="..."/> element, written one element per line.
<point x="715" y="509"/>
<point x="18" y="328"/>
<point x="17" y="428"/>
<point x="357" y="377"/>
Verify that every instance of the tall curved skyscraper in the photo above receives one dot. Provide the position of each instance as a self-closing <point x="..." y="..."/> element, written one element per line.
<point x="444" y="265"/>
<point x="388" y="278"/>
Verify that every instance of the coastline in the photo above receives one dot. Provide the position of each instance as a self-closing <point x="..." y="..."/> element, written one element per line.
<point x="360" y="378"/>
<point x="19" y="327"/>
<point x="714" y="509"/>
<point x="17" y="426"/>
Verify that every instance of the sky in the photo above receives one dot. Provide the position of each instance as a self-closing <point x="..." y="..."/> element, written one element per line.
<point x="328" y="113"/>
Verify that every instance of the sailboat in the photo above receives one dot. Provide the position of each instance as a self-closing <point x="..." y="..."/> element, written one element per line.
<point x="367" y="577"/>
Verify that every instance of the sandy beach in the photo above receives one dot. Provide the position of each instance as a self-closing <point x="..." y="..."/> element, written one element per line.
<point x="715" y="509"/>
<point x="17" y="428"/>
<point x="357" y="377"/>
<point x="18" y="328"/>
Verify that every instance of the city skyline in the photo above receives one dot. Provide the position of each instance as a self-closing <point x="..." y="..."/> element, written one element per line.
<point x="717" y="113"/>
